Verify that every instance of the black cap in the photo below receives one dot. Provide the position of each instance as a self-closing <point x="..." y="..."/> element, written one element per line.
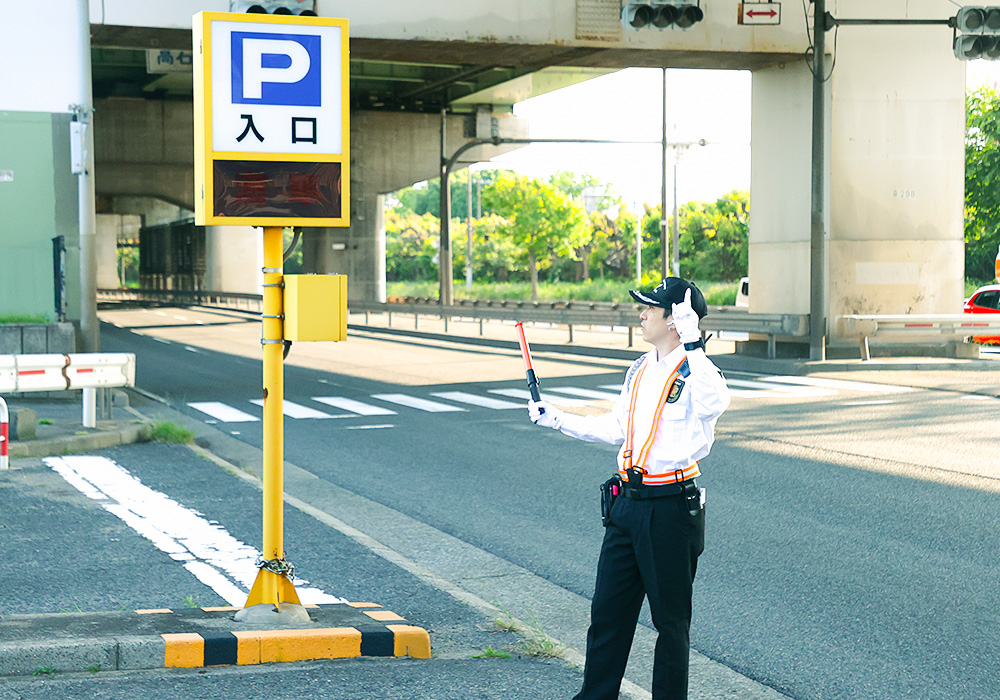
<point x="671" y="291"/>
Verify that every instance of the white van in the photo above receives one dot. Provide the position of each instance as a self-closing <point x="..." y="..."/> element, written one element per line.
<point x="743" y="293"/>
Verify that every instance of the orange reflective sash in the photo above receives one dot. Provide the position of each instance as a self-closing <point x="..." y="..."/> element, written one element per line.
<point x="683" y="474"/>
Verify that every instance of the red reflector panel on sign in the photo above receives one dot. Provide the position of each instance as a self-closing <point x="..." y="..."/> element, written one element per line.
<point x="277" y="189"/>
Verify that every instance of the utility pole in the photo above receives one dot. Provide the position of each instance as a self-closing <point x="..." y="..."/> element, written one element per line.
<point x="90" y="340"/>
<point x="817" y="239"/>
<point x="468" y="237"/>
<point x="663" y="186"/>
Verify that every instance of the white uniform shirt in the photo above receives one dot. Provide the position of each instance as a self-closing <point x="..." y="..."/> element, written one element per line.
<point x="686" y="429"/>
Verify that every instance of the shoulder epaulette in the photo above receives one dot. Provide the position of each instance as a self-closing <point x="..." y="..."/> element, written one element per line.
<point x="684" y="369"/>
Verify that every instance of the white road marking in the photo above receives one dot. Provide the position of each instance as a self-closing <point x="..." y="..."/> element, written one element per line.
<point x="585" y="393"/>
<point x="369" y="427"/>
<point x="551" y="398"/>
<point x="476" y="400"/>
<point x="614" y="387"/>
<point x="414" y="402"/>
<point x="840" y="384"/>
<point x="223" y="412"/>
<point x="207" y="550"/>
<point x="191" y="349"/>
<point x="294" y="410"/>
<point x="362" y="409"/>
<point x="976" y="397"/>
<point x="780" y="389"/>
<point x="161" y="340"/>
<point x="874" y="402"/>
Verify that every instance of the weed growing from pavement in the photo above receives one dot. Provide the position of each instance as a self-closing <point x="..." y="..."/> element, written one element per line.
<point x="44" y="671"/>
<point x="165" y="431"/>
<point x="189" y="602"/>
<point x="94" y="669"/>
<point x="45" y="421"/>
<point x="491" y="653"/>
<point x="534" y="641"/>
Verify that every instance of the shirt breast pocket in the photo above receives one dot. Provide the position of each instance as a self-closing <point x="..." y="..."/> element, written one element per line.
<point x="673" y="412"/>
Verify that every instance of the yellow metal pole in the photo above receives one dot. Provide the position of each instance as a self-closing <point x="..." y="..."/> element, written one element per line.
<point x="273" y="587"/>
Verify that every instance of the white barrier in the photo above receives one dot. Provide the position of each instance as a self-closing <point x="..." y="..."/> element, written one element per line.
<point x="4" y="435"/>
<point x="87" y="371"/>
<point x="910" y="326"/>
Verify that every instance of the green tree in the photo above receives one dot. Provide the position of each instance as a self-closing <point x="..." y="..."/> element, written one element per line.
<point x="543" y="223"/>
<point x="411" y="243"/>
<point x="982" y="182"/>
<point x="714" y="238"/>
<point x="425" y="197"/>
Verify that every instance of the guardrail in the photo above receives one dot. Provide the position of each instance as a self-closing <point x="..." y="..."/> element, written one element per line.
<point x="567" y="313"/>
<point x="909" y="326"/>
<point x="88" y="371"/>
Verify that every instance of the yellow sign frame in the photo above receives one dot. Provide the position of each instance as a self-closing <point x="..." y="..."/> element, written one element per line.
<point x="205" y="156"/>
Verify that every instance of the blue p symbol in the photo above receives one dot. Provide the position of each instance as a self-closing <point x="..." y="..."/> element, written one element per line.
<point x="276" y="69"/>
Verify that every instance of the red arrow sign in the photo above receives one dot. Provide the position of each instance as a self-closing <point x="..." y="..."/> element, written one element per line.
<point x="755" y="13"/>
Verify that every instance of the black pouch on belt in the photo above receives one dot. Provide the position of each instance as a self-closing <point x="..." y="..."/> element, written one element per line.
<point x="610" y="490"/>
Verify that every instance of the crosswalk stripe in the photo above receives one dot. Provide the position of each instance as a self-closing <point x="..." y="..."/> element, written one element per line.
<point x="476" y="400"/>
<point x="613" y="387"/>
<point x="551" y="398"/>
<point x="414" y="402"/>
<point x="362" y="409"/>
<point x="780" y="388"/>
<point x="585" y="393"/>
<point x="294" y="410"/>
<point x="223" y="412"/>
<point x="840" y="384"/>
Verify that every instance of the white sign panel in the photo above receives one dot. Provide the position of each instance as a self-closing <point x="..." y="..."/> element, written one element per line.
<point x="760" y="13"/>
<point x="276" y="88"/>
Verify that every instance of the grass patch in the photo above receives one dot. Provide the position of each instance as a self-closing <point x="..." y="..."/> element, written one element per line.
<point x="491" y="653"/>
<point x="44" y="671"/>
<point x="45" y="421"/>
<point x="96" y="668"/>
<point x="23" y="318"/>
<point x="534" y="641"/>
<point x="165" y="431"/>
<point x="615" y="291"/>
<point x="190" y="602"/>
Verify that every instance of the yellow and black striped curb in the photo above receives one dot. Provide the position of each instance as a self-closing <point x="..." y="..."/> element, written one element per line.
<point x="362" y="629"/>
<point x="198" y="637"/>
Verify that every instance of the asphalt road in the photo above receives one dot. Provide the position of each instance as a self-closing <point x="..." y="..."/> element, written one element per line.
<point x="849" y="553"/>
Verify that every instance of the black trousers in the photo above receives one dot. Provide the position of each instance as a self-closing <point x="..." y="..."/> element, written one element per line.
<point x="650" y="548"/>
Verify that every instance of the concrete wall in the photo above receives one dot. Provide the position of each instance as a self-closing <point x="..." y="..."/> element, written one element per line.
<point x="539" y="22"/>
<point x="235" y="256"/>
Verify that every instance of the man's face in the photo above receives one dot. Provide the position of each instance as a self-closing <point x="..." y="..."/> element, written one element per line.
<point x="655" y="326"/>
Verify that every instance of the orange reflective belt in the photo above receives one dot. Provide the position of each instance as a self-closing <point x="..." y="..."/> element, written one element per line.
<point x="681" y="474"/>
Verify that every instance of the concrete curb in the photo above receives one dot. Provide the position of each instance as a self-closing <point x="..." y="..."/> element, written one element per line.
<point x="198" y="637"/>
<point x="72" y="444"/>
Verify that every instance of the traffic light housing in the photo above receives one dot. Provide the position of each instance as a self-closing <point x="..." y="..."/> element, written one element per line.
<point x="306" y="8"/>
<point x="661" y="15"/>
<point x="977" y="33"/>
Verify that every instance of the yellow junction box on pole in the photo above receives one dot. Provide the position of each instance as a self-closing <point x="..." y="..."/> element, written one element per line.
<point x="315" y="307"/>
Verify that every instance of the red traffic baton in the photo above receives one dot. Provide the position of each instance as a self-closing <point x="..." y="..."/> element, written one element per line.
<point x="529" y="370"/>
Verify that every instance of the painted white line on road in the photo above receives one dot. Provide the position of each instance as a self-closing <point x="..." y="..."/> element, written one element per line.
<point x="476" y="400"/>
<point x="180" y="318"/>
<point x="191" y="349"/>
<point x="223" y="412"/>
<point x="161" y="340"/>
<point x="362" y="409"/>
<point x="369" y="427"/>
<point x="414" y="402"/>
<point x="551" y="398"/>
<point x="209" y="552"/>
<point x="614" y="387"/>
<point x="585" y="393"/>
<point x="977" y="397"/>
<point x="781" y="389"/>
<point x="874" y="402"/>
<point x="839" y="384"/>
<point x="294" y="410"/>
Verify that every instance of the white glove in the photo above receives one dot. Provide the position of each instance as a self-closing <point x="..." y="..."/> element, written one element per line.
<point x="686" y="320"/>
<point x="545" y="414"/>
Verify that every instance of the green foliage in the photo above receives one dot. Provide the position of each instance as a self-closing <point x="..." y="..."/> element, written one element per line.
<point x="293" y="265"/>
<point x="425" y="197"/>
<point x="165" y="431"/>
<point x="541" y="222"/>
<point x="982" y="182"/>
<point x="411" y="242"/>
<point x="715" y="238"/>
<point x="491" y="653"/>
<point x="23" y="318"/>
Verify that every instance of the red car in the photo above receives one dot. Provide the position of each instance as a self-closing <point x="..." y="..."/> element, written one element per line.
<point x="985" y="300"/>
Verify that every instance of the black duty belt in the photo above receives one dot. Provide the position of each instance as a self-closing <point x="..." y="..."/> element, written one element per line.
<point x="644" y="492"/>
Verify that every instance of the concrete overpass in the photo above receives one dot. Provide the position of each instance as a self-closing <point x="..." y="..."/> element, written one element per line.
<point x="895" y="129"/>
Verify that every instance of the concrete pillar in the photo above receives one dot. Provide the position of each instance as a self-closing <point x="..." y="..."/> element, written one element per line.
<point x="234" y="257"/>
<point x="896" y="173"/>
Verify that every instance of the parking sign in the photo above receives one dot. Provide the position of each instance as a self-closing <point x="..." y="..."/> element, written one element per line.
<point x="271" y="120"/>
